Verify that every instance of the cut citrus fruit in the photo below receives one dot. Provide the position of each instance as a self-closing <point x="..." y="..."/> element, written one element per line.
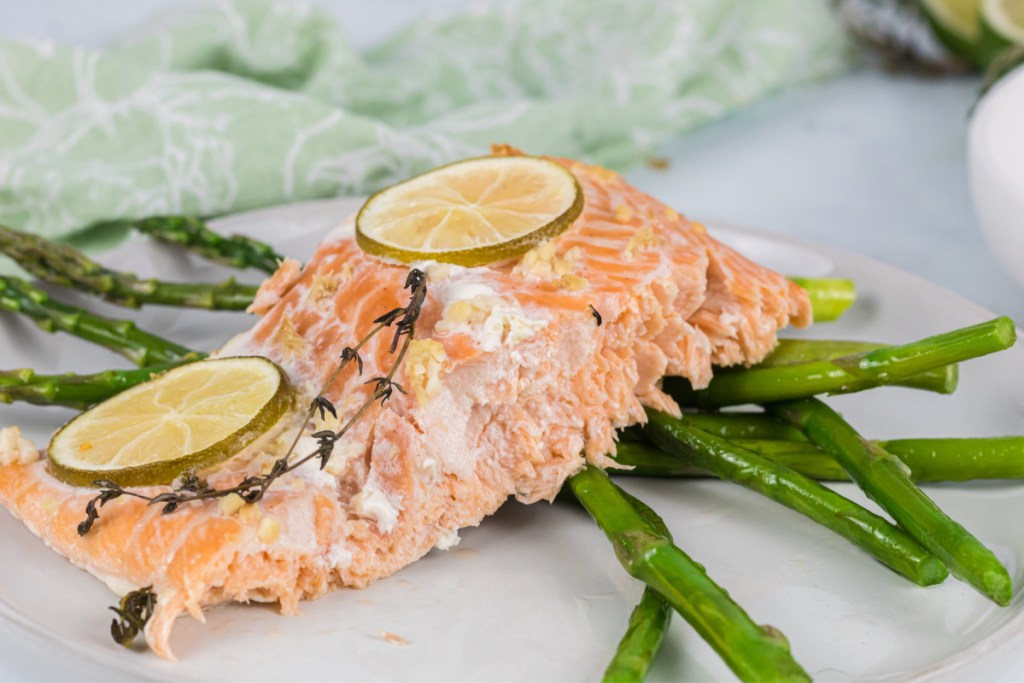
<point x="1005" y="18"/>
<point x="182" y="421"/>
<point x="956" y="23"/>
<point x="1002" y="27"/>
<point x="471" y="212"/>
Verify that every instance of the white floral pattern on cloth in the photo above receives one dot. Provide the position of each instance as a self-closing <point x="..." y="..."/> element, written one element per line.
<point x="250" y="103"/>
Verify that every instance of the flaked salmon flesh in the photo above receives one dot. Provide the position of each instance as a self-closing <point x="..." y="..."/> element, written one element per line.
<point x="520" y="372"/>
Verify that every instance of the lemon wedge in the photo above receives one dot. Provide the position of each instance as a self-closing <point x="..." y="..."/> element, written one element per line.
<point x="471" y="212"/>
<point x="182" y="421"/>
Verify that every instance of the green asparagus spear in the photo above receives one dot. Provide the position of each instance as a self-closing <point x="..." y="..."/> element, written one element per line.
<point x="640" y="643"/>
<point x="63" y="265"/>
<point x="237" y="251"/>
<point x="960" y="459"/>
<point x="642" y="639"/>
<point x="120" y="336"/>
<point x="15" y="378"/>
<point x="73" y="391"/>
<point x="797" y="351"/>
<point x="830" y="296"/>
<point x="885" y="542"/>
<point x="646" y="551"/>
<point x="744" y="426"/>
<point x="847" y="374"/>
<point x="646" y="460"/>
<point x="884" y="478"/>
<point x="929" y="460"/>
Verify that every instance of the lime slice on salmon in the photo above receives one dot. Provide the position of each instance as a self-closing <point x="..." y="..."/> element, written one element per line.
<point x="471" y="212"/>
<point x="956" y="23"/>
<point x="184" y="420"/>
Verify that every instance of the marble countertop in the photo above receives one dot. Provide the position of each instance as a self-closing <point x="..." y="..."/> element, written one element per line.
<point x="871" y="162"/>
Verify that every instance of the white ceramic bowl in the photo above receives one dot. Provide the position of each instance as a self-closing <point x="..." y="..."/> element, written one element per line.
<point x="996" y="157"/>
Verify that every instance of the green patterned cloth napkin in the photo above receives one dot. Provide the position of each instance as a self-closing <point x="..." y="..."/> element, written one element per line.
<point x="250" y="103"/>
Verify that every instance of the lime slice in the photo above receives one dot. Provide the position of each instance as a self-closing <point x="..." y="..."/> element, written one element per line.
<point x="182" y="421"/>
<point x="956" y="23"/>
<point x="1002" y="26"/>
<point x="471" y="212"/>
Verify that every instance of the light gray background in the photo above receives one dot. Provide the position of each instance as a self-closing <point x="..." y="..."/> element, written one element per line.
<point x="869" y="162"/>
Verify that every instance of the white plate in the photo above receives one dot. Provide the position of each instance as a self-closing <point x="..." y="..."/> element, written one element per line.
<point x="535" y="593"/>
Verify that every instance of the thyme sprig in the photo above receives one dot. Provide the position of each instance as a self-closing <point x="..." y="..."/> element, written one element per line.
<point x="191" y="488"/>
<point x="132" y="614"/>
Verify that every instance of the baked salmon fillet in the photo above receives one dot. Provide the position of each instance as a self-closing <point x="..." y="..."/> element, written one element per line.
<point x="519" y="373"/>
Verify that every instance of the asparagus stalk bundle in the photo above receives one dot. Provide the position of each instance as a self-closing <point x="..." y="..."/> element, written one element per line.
<point x="847" y="374"/>
<point x="63" y="265"/>
<point x="120" y="336"/>
<point x="192" y="233"/>
<point x="646" y="550"/>
<point x="884" y="478"/>
<point x="885" y="542"/>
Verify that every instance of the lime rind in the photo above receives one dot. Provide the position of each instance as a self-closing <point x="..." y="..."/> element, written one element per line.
<point x="1001" y="30"/>
<point x="956" y="23"/>
<point x="1005" y="19"/>
<point x="475" y="255"/>
<point x="166" y="470"/>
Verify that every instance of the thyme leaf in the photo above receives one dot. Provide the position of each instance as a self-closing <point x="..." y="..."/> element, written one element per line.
<point x="193" y="484"/>
<point x="323" y="405"/>
<point x="349" y="354"/>
<point x="325" y="446"/>
<point x="92" y="508"/>
<point x="385" y="387"/>
<point x="133" y="612"/>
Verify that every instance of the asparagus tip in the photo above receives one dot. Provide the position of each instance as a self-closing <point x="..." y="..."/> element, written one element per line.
<point x="1006" y="331"/>
<point x="950" y="379"/>
<point x="932" y="572"/>
<point x="997" y="585"/>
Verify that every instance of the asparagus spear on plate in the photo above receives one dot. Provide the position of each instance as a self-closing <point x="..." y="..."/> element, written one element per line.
<point x="120" y="336"/>
<point x="71" y="390"/>
<point x="929" y="460"/>
<point x="640" y="643"/>
<point x="942" y="380"/>
<point x="847" y="374"/>
<point x="63" y="265"/>
<point x="885" y="542"/>
<point x="192" y="233"/>
<point x="646" y="551"/>
<point x="830" y="296"/>
<point x="884" y="478"/>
